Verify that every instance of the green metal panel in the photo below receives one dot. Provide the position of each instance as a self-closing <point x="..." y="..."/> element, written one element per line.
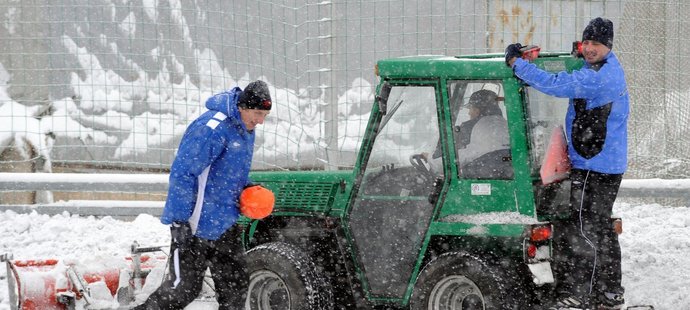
<point x="523" y="190"/>
<point x="485" y="66"/>
<point x="315" y="196"/>
<point x="318" y="192"/>
<point x="459" y="199"/>
<point x="462" y="229"/>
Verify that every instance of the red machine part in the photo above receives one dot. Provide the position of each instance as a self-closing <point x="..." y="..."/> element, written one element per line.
<point x="38" y="284"/>
<point x="35" y="283"/>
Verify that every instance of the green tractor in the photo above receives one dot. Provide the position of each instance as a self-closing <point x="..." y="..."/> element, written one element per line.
<point x="427" y="219"/>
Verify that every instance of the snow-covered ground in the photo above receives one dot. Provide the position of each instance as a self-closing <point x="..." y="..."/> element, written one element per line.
<point x="655" y="243"/>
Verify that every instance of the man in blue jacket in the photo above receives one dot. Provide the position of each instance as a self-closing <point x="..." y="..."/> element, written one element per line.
<point x="596" y="129"/>
<point x="209" y="172"/>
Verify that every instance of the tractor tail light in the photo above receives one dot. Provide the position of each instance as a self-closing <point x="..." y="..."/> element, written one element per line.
<point x="537" y="242"/>
<point x="577" y="49"/>
<point x="540" y="233"/>
<point x="531" y="250"/>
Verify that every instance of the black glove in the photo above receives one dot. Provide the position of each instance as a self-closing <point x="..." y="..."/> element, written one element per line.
<point x="513" y="50"/>
<point x="181" y="233"/>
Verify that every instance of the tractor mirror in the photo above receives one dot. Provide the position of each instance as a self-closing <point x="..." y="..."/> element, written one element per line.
<point x="382" y="98"/>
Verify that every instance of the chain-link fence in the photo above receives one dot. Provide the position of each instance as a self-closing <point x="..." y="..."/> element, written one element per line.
<point x="113" y="84"/>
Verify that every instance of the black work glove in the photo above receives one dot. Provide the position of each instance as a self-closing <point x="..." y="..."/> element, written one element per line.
<point x="513" y="50"/>
<point x="181" y="233"/>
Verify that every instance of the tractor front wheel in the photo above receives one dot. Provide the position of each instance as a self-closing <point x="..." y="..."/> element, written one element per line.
<point x="281" y="276"/>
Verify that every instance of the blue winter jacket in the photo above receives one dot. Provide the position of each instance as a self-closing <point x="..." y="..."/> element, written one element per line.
<point x="597" y="117"/>
<point x="211" y="169"/>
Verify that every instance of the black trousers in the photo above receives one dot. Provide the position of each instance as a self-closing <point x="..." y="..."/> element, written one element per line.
<point x="586" y="249"/>
<point x="188" y="262"/>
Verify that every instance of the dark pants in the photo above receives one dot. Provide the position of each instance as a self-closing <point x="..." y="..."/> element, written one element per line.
<point x="586" y="249"/>
<point x="188" y="262"/>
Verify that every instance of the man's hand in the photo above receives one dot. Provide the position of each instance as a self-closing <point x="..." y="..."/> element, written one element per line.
<point x="181" y="233"/>
<point x="512" y="52"/>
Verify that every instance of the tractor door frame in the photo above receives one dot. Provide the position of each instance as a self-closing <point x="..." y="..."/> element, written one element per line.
<point x="390" y="211"/>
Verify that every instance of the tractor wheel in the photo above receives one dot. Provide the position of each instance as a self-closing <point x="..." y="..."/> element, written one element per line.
<point x="281" y="276"/>
<point x="464" y="282"/>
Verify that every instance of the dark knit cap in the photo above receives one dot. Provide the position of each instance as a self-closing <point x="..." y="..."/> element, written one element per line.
<point x="600" y="30"/>
<point x="486" y="101"/>
<point x="255" y="96"/>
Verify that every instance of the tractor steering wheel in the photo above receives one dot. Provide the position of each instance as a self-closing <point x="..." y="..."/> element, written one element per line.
<point x="421" y="164"/>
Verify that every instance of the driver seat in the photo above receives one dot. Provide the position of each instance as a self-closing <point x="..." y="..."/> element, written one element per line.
<point x="493" y="165"/>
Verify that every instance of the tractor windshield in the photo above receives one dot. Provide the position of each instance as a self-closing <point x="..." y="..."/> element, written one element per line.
<point x="545" y="113"/>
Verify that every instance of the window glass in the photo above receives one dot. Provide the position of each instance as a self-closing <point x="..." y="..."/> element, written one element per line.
<point x="409" y="128"/>
<point x="545" y="114"/>
<point x="480" y="129"/>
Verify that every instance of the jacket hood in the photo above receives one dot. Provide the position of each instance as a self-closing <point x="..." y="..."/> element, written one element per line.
<point x="225" y="102"/>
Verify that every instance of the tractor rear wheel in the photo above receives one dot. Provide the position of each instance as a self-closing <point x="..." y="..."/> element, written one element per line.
<point x="464" y="282"/>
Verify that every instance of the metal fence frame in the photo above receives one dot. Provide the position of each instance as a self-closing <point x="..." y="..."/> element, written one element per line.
<point x="145" y="183"/>
<point x="313" y="52"/>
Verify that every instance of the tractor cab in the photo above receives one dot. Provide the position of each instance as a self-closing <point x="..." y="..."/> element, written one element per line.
<point x="458" y="155"/>
<point x="466" y="130"/>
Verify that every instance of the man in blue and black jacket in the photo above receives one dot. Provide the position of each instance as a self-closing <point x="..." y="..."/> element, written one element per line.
<point x="596" y="129"/>
<point x="209" y="172"/>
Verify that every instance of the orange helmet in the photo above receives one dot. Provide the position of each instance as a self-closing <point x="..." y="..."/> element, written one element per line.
<point x="256" y="202"/>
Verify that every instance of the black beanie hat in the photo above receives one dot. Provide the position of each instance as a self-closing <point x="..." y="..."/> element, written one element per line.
<point x="600" y="30"/>
<point x="255" y="96"/>
<point x="486" y="102"/>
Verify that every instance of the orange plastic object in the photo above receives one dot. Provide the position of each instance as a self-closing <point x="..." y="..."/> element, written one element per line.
<point x="556" y="166"/>
<point x="256" y="202"/>
<point x="530" y="52"/>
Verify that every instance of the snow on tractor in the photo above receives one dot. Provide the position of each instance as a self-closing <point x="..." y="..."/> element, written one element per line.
<point x="430" y="217"/>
